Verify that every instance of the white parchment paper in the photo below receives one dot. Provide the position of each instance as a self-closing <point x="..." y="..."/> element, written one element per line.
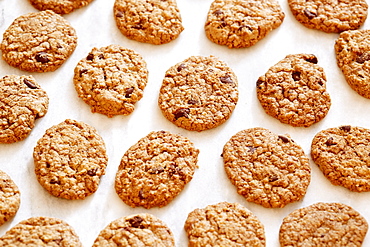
<point x="96" y="27"/>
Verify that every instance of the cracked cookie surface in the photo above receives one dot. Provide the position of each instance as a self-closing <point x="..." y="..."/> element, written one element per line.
<point x="69" y="160"/>
<point x="58" y="6"/>
<point x="111" y="80"/>
<point x="323" y="224"/>
<point x="343" y="155"/>
<point x="149" y="21"/>
<point x="198" y="93"/>
<point x="156" y="169"/>
<point x="10" y="198"/>
<point x="294" y="91"/>
<point x="266" y="168"/>
<point x="22" y="101"/>
<point x="353" y="54"/>
<point x="136" y="230"/>
<point x="41" y="231"/>
<point x="38" y="42"/>
<point x="242" y="23"/>
<point x="328" y="15"/>
<point x="224" y="224"/>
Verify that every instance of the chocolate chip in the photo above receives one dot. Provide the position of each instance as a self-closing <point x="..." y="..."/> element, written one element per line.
<point x="273" y="178"/>
<point x="92" y="172"/>
<point x="310" y="15"/>
<point x="193" y="102"/>
<point x="136" y="222"/>
<point x="312" y="59"/>
<point x="330" y="142"/>
<point x="90" y="57"/>
<point x="226" y="79"/>
<point x="345" y="128"/>
<point x="245" y="26"/>
<point x="137" y="26"/>
<point x="83" y="71"/>
<point x="129" y="91"/>
<point x="119" y="14"/>
<point x="259" y="83"/>
<point x="284" y="139"/>
<point x="181" y="67"/>
<point x="156" y="170"/>
<point x="54" y="181"/>
<point x="222" y="24"/>
<point x="218" y="12"/>
<point x="296" y="75"/>
<point x="182" y="112"/>
<point x="42" y="57"/>
<point x="101" y="56"/>
<point x="29" y="84"/>
<point x="363" y="57"/>
<point x="141" y="195"/>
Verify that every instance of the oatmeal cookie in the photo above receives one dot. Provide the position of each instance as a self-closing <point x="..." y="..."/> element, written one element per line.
<point x="59" y="6"/>
<point x="22" y="101"/>
<point x="10" y="198"/>
<point x="294" y="91"/>
<point x="70" y="159"/>
<point x="266" y="168"/>
<point x="198" y="93"/>
<point x="156" y="169"/>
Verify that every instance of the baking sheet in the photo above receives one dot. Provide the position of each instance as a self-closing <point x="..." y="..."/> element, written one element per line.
<point x="96" y="27"/>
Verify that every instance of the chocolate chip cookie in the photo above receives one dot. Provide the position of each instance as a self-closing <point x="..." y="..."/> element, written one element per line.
<point x="69" y="160"/>
<point x="323" y="224"/>
<point x="111" y="80"/>
<point x="198" y="93"/>
<point x="22" y="101"/>
<point x="238" y="24"/>
<point x="224" y="224"/>
<point x="353" y="54"/>
<point x="149" y="21"/>
<point x="343" y="155"/>
<point x="38" y="42"/>
<point x="294" y="91"/>
<point x="10" y="198"/>
<point x="156" y="169"/>
<point x="136" y="230"/>
<point x="58" y="6"/>
<point x="41" y="231"/>
<point x="330" y="16"/>
<point x="266" y="168"/>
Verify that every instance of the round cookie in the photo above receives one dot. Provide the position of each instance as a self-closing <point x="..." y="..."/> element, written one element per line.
<point x="10" y="198"/>
<point x="198" y="93"/>
<point x="294" y="91"/>
<point x="156" y="169"/>
<point x="342" y="154"/>
<point x="323" y="224"/>
<point x="41" y="231"/>
<point x="239" y="24"/>
<point x="330" y="16"/>
<point x="224" y="224"/>
<point x="353" y="54"/>
<point x="111" y="80"/>
<point x="69" y="160"/>
<point x="22" y="101"/>
<point x="38" y="42"/>
<point x="59" y="6"/>
<point x="150" y="21"/>
<point x="267" y="169"/>
<point x="136" y="230"/>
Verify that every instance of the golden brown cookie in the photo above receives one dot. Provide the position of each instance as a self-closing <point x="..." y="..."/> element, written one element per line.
<point x="198" y="93"/>
<point x="266" y="168"/>
<point x="330" y="16"/>
<point x="294" y="91"/>
<point x="224" y="224"/>
<point x="41" y="231"/>
<point x="10" y="198"/>
<point x="353" y="54"/>
<point x="59" y="6"/>
<point x="242" y="23"/>
<point x="156" y="169"/>
<point x="22" y="101"/>
<point x="149" y="21"/>
<point x="111" y="80"/>
<point x="343" y="155"/>
<point x="38" y="42"/>
<point x="136" y="230"/>
<point x="323" y="224"/>
<point x="69" y="160"/>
